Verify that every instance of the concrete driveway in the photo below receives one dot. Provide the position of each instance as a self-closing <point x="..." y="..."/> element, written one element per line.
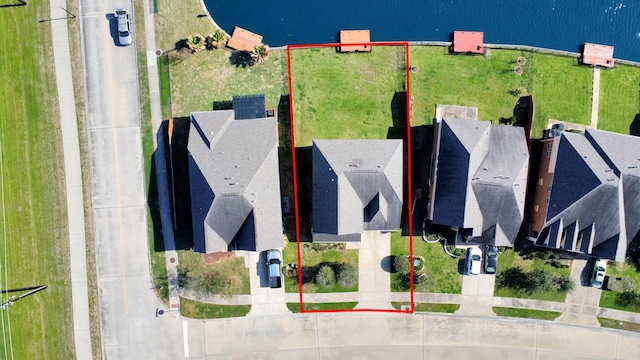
<point x="374" y="281"/>
<point x="581" y="304"/>
<point x="264" y="300"/>
<point x="477" y="295"/>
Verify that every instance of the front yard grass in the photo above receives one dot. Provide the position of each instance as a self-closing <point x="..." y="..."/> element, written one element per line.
<point x="429" y="307"/>
<point x="616" y="324"/>
<point x="441" y="270"/>
<point x="619" y="99"/>
<point x="510" y="258"/>
<point x="295" y="307"/>
<point x="197" y="310"/>
<point x="610" y="299"/>
<point x="345" y="96"/>
<point x="233" y="276"/>
<point x="313" y="256"/>
<point x="526" y="313"/>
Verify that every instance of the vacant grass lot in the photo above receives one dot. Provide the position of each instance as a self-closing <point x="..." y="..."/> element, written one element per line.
<point x="510" y="258"/>
<point x="608" y="298"/>
<point x="34" y="243"/>
<point x="442" y="270"/>
<point x="619" y="99"/>
<point x="314" y="255"/>
<point x="345" y="96"/>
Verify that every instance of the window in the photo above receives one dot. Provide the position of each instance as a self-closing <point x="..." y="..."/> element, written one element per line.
<point x="549" y="188"/>
<point x="548" y="154"/>
<point x="549" y="146"/>
<point x="547" y="201"/>
<point x="540" y="182"/>
<point x="536" y="208"/>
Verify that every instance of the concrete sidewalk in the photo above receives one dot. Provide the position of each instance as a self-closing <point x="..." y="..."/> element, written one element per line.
<point x="73" y="181"/>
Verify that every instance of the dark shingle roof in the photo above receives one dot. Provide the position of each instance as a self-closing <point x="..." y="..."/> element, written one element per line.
<point x="596" y="186"/>
<point x="354" y="179"/>
<point x="233" y="170"/>
<point x="481" y="177"/>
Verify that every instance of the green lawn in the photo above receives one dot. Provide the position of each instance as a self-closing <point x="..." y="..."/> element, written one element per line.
<point x="314" y="255"/>
<point x="345" y="96"/>
<point x="619" y="99"/>
<point x="616" y="324"/>
<point x="608" y="298"/>
<point x="442" y="270"/>
<point x="526" y="313"/>
<point x="175" y="20"/>
<point x="197" y="310"/>
<point x="233" y="275"/>
<point x="510" y="258"/>
<point x="34" y="244"/>
<point x="295" y="307"/>
<point x="429" y="307"/>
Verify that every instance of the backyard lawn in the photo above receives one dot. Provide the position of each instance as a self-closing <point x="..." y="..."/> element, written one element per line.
<point x="510" y="259"/>
<point x="620" y="99"/>
<point x="34" y="238"/>
<point x="346" y="96"/>
<point x="313" y="257"/>
<point x="441" y="270"/>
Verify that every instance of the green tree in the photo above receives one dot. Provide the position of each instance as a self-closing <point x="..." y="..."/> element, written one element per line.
<point x="565" y="284"/>
<point x="196" y="42"/>
<point x="261" y="52"/>
<point x="325" y="276"/>
<point x="219" y="39"/>
<point x="347" y="275"/>
<point x="401" y="264"/>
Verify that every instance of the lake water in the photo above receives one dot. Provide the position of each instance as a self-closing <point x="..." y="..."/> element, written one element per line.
<point x="554" y="24"/>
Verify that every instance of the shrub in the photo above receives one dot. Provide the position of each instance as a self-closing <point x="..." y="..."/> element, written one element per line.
<point x="564" y="284"/>
<point x="621" y="285"/>
<point x="628" y="298"/>
<point x="209" y="282"/>
<point x="196" y="42"/>
<point x="513" y="278"/>
<point x="325" y="276"/>
<point x="538" y="279"/>
<point x="347" y="275"/>
<point x="183" y="276"/>
<point x="401" y="264"/>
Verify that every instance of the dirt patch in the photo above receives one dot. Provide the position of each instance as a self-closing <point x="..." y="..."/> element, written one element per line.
<point x="216" y="257"/>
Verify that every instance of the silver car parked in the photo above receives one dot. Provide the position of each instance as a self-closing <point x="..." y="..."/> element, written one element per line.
<point x="124" y="26"/>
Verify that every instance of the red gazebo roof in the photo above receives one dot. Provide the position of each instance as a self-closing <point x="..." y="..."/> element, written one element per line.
<point x="355" y="37"/>
<point x="599" y="55"/>
<point x="244" y="40"/>
<point x="468" y="42"/>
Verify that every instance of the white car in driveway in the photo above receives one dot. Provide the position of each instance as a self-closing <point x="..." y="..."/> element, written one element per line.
<point x="124" y="27"/>
<point x="599" y="270"/>
<point x="473" y="261"/>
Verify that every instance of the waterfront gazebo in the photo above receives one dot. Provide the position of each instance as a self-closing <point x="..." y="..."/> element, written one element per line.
<point x="244" y="40"/>
<point x="468" y="42"/>
<point x="359" y="37"/>
<point x="598" y="55"/>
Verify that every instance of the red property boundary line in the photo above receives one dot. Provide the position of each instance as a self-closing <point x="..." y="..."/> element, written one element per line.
<point x="409" y="182"/>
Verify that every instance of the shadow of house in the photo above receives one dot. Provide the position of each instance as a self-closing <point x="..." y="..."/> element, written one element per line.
<point x="588" y="198"/>
<point x="357" y="186"/>
<point x="634" y="128"/>
<point x="234" y="181"/>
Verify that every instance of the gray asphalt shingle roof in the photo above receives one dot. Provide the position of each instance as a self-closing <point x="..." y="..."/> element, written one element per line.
<point x="354" y="180"/>
<point x="235" y="183"/>
<point x="596" y="189"/>
<point x="481" y="179"/>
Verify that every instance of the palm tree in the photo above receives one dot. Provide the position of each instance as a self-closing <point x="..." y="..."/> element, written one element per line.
<point x="219" y="39"/>
<point x="261" y="52"/>
<point x="196" y="42"/>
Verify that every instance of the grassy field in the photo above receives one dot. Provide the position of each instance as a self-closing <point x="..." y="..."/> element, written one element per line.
<point x="197" y="310"/>
<point x="345" y="96"/>
<point x="175" y="20"/>
<point x="314" y="255"/>
<point x="234" y="276"/>
<point x="510" y="258"/>
<point x="34" y="243"/>
<point x="619" y="99"/>
<point x="608" y="298"/>
<point x="442" y="271"/>
<point x="526" y="313"/>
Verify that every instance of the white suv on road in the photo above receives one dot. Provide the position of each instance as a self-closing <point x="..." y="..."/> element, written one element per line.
<point x="124" y="26"/>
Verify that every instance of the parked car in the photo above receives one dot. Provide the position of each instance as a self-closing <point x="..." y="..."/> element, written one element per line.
<point x="473" y="261"/>
<point x="491" y="260"/>
<point x="274" y="264"/>
<point x="599" y="269"/>
<point x="124" y="26"/>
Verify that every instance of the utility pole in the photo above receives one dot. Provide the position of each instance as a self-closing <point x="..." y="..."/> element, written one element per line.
<point x="20" y="297"/>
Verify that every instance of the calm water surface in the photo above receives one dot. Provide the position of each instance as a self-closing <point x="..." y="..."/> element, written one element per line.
<point x="555" y="24"/>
